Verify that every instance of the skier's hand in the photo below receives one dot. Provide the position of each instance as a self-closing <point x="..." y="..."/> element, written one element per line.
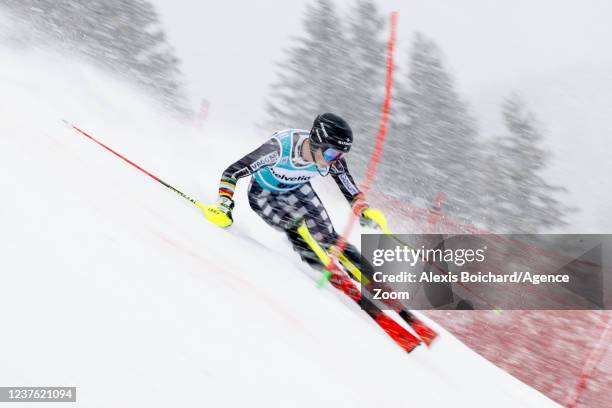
<point x="373" y="218"/>
<point x="220" y="214"/>
<point x="226" y="205"/>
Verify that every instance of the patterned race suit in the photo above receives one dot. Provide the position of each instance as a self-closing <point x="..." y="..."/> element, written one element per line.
<point x="281" y="194"/>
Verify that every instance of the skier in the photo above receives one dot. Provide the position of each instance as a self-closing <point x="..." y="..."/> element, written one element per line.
<point x="280" y="191"/>
<point x="281" y="194"/>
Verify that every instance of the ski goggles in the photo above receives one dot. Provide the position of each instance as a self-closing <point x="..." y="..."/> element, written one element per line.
<point x="330" y="154"/>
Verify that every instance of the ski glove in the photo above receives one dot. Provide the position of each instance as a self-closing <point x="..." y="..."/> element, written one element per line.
<point x="226" y="205"/>
<point x="220" y="214"/>
<point x="373" y="218"/>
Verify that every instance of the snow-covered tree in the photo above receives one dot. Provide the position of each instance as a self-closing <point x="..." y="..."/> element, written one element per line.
<point x="438" y="149"/>
<point x="123" y="36"/>
<point x="366" y="78"/>
<point x="313" y="78"/>
<point x="518" y="198"/>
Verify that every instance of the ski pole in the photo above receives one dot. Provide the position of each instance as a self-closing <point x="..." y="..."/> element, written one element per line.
<point x="148" y="173"/>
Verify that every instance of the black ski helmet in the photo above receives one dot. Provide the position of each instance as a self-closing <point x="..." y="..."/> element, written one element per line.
<point x="330" y="130"/>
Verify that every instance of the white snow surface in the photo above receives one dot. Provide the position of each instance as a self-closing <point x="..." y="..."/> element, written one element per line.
<point x="118" y="286"/>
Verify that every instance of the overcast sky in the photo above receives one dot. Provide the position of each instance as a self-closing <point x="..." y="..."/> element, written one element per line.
<point x="228" y="49"/>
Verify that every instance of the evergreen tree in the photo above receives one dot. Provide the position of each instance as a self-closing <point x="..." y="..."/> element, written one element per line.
<point x="399" y="167"/>
<point x="438" y="146"/>
<point x="519" y="200"/>
<point x="366" y="79"/>
<point x="124" y="36"/>
<point x="314" y="76"/>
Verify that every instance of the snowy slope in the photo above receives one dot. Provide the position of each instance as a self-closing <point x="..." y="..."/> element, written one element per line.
<point x="117" y="286"/>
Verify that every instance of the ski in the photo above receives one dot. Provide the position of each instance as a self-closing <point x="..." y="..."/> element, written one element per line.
<point x="343" y="282"/>
<point x="426" y="333"/>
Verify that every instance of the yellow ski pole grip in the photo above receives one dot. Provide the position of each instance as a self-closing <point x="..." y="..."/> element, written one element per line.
<point x="378" y="217"/>
<point x="215" y="215"/>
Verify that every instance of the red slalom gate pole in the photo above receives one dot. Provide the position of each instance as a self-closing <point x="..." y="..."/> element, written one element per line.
<point x="380" y="138"/>
<point x="131" y="163"/>
<point x="382" y="128"/>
